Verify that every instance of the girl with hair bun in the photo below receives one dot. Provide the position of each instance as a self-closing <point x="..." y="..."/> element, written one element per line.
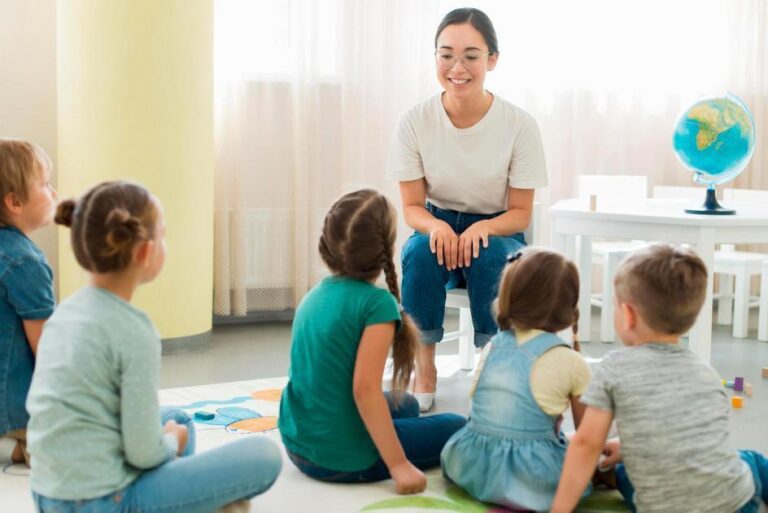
<point x="98" y="438"/>
<point x="336" y="422"/>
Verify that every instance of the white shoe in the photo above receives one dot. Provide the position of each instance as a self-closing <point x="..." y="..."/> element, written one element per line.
<point x="7" y="446"/>
<point x="426" y="400"/>
<point x="242" y="506"/>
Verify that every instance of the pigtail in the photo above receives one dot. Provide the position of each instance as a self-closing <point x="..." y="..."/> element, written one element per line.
<point x="575" y="328"/>
<point x="406" y="337"/>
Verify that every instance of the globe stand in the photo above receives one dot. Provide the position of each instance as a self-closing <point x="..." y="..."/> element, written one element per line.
<point x="711" y="206"/>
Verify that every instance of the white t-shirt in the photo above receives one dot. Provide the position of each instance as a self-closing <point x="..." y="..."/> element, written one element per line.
<point x="468" y="169"/>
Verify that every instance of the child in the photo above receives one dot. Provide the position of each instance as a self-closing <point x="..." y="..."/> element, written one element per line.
<point x="511" y="451"/>
<point x="95" y="433"/>
<point x="336" y="423"/>
<point x="670" y="407"/>
<point x="26" y="283"/>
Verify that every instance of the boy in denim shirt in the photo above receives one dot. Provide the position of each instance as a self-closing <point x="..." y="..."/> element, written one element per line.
<point x="27" y="203"/>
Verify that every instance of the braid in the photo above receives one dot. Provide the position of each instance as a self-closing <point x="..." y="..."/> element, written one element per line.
<point x="575" y="328"/>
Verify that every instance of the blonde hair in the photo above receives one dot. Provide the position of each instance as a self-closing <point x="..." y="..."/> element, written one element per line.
<point x="358" y="241"/>
<point x="107" y="222"/>
<point x="667" y="285"/>
<point x="20" y="163"/>
<point x="539" y="290"/>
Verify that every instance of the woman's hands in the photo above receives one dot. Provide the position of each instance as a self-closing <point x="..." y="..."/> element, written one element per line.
<point x="458" y="250"/>
<point x="408" y="479"/>
<point x="470" y="240"/>
<point x="444" y="243"/>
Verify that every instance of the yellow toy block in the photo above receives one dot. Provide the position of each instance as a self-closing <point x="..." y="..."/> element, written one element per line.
<point x="737" y="401"/>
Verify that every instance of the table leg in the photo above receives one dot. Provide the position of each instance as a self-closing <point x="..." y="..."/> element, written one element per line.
<point x="585" y="288"/>
<point x="565" y="244"/>
<point x="700" y="340"/>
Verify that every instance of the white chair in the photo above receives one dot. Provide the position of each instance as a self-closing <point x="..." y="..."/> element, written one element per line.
<point x="743" y="265"/>
<point x="762" y="322"/>
<point x="458" y="298"/>
<point x="609" y="254"/>
<point x="732" y="266"/>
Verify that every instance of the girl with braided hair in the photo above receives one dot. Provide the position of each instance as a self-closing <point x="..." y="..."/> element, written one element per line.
<point x="97" y="436"/>
<point x="336" y="422"/>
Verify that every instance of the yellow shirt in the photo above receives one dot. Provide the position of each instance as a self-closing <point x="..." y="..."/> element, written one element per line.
<point x="556" y="376"/>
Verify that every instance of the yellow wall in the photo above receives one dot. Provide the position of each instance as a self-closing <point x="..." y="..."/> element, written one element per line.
<point x="28" y="86"/>
<point x="135" y="101"/>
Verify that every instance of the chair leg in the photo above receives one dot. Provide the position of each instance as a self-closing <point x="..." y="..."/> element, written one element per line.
<point x="725" y="303"/>
<point x="741" y="305"/>
<point x="610" y="266"/>
<point x="762" y="323"/>
<point x="466" y="342"/>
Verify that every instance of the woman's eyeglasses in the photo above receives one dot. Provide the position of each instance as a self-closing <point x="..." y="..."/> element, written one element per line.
<point x="447" y="60"/>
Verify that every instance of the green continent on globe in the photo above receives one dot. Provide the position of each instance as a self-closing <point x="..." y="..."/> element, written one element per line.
<point x="715" y="117"/>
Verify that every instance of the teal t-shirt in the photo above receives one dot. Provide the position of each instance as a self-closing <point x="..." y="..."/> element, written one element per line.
<point x="319" y="420"/>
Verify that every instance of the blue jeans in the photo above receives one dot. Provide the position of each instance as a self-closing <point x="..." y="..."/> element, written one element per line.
<point x="199" y="483"/>
<point x="757" y="463"/>
<point x="422" y="439"/>
<point x="425" y="281"/>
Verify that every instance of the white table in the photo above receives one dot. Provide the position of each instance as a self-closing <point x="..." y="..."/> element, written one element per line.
<point x="653" y="220"/>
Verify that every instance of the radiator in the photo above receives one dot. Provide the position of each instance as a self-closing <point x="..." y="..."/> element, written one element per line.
<point x="269" y="248"/>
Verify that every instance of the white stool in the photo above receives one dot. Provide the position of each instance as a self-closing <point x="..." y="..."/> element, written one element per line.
<point x="738" y="267"/>
<point x="458" y="298"/>
<point x="762" y="323"/>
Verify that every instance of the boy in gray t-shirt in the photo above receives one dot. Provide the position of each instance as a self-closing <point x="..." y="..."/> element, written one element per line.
<point x="670" y="407"/>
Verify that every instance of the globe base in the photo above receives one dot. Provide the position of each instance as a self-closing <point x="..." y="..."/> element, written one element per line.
<point x="711" y="207"/>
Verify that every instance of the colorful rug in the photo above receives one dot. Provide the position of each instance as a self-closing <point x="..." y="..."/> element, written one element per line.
<point x="250" y="408"/>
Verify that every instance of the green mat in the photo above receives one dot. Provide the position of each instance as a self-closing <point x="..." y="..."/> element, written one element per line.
<point x="456" y="499"/>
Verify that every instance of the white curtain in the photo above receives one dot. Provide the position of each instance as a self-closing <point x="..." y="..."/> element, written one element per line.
<point x="308" y="94"/>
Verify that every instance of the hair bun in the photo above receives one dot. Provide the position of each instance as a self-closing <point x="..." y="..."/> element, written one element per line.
<point x="65" y="211"/>
<point x="122" y="230"/>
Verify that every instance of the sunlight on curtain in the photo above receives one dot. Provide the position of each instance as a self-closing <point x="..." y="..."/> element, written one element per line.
<point x="308" y="94"/>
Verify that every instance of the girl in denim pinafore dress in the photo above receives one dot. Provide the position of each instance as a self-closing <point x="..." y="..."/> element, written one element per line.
<point x="512" y="451"/>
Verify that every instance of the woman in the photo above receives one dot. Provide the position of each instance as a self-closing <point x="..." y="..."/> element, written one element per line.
<point x="468" y="163"/>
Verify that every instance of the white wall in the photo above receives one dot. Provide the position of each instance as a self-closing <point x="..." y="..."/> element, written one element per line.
<point x="28" y="84"/>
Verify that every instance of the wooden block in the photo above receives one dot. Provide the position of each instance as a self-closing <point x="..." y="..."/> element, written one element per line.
<point x="748" y="389"/>
<point x="204" y="415"/>
<point x="737" y="401"/>
<point x="738" y="384"/>
<point x="729" y="384"/>
<point x="592" y="202"/>
<point x="765" y="372"/>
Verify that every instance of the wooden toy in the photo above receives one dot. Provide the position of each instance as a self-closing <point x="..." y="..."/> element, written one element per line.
<point x="737" y="401"/>
<point x="748" y="389"/>
<point x="738" y="384"/>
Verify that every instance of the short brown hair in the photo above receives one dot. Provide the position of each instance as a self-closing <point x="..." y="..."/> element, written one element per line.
<point x="20" y="163"/>
<point x="539" y="290"/>
<point x="107" y="222"/>
<point x="667" y="285"/>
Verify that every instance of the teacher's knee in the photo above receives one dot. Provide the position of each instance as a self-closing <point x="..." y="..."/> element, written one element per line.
<point x="417" y="254"/>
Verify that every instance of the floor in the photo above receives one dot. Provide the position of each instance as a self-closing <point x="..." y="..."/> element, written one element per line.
<point x="259" y="351"/>
<point x="243" y="352"/>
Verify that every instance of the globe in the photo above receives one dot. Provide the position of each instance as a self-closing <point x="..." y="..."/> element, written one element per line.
<point x="715" y="138"/>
